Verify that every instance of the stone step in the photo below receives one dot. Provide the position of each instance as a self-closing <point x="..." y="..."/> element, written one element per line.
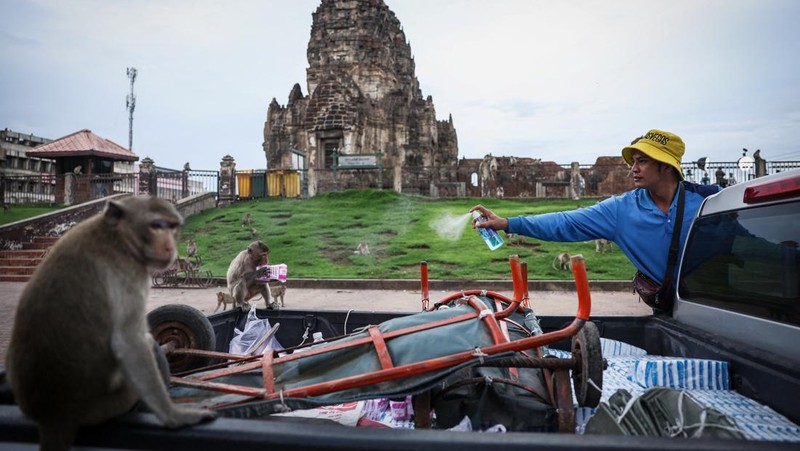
<point x="36" y="245"/>
<point x="17" y="270"/>
<point x="14" y="277"/>
<point x="6" y="262"/>
<point x="22" y="253"/>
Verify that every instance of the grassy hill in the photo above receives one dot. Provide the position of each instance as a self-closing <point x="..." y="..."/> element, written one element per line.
<point x="317" y="238"/>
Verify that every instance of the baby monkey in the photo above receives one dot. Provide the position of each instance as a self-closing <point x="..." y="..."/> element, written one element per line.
<point x="80" y="351"/>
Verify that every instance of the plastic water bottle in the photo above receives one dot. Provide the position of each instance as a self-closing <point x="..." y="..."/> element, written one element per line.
<point x="492" y="238"/>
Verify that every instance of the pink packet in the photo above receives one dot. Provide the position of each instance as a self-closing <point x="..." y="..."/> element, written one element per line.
<point x="273" y="273"/>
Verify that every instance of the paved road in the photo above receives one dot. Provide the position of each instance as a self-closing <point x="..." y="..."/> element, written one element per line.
<point x="604" y="303"/>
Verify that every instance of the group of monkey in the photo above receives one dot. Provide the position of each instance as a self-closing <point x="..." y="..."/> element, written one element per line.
<point x="562" y="261"/>
<point x="93" y="358"/>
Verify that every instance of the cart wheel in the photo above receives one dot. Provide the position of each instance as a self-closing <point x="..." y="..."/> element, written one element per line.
<point x="587" y="376"/>
<point x="563" y="402"/>
<point x="185" y="327"/>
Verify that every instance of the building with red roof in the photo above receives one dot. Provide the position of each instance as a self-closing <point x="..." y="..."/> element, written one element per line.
<point x="87" y="166"/>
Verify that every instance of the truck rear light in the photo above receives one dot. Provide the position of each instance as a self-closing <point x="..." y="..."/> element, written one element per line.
<point x="779" y="189"/>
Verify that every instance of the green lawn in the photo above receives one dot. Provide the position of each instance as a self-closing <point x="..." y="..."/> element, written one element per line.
<point x="19" y="212"/>
<point x="317" y="238"/>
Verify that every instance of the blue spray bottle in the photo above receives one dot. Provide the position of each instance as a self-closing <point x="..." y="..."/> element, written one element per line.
<point x="492" y="238"/>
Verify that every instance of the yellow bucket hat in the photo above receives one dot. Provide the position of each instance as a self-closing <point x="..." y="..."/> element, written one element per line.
<point x="659" y="145"/>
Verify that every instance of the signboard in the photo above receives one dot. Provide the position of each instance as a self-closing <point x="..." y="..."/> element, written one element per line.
<point x="358" y="161"/>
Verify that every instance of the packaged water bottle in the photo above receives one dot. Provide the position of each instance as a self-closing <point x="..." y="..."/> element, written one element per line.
<point x="492" y="238"/>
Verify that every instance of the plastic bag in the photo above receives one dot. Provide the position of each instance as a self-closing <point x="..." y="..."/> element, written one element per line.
<point x="248" y="341"/>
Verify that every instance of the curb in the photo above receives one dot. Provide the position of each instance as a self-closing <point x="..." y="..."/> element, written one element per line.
<point x="446" y="285"/>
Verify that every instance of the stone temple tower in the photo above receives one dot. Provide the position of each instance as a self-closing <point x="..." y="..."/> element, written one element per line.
<point x="364" y="122"/>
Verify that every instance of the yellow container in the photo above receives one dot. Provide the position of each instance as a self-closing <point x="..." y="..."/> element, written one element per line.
<point x="243" y="183"/>
<point x="284" y="183"/>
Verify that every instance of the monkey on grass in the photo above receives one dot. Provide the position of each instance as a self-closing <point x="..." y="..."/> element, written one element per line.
<point x="562" y="262"/>
<point x="80" y="350"/>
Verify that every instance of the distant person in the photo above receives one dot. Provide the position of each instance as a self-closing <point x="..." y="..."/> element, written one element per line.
<point x="720" y="175"/>
<point x="640" y="221"/>
<point x="731" y="179"/>
<point x="706" y="180"/>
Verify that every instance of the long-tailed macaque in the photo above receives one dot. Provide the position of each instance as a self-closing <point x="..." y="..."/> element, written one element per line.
<point x="241" y="277"/>
<point x="562" y="262"/>
<point x="191" y="248"/>
<point x="80" y="351"/>
<point x="223" y="299"/>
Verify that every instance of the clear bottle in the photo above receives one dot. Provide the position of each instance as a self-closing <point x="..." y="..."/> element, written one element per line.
<point x="492" y="238"/>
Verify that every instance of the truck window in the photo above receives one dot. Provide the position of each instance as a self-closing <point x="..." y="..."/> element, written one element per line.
<point x="746" y="261"/>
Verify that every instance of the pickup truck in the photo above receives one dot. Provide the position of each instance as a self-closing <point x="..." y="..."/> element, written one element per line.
<point x="737" y="310"/>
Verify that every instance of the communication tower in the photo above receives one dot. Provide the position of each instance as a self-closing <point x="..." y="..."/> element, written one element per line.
<point x="130" y="104"/>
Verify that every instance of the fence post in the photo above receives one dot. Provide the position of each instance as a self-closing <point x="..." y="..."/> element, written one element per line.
<point x="147" y="181"/>
<point x="227" y="181"/>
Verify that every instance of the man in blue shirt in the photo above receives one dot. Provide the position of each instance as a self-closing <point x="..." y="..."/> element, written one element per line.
<point x="640" y="221"/>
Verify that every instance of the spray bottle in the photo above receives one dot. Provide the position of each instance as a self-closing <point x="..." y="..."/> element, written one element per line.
<point x="492" y="238"/>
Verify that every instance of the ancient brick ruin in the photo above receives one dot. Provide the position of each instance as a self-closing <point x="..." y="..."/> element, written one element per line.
<point x="364" y="121"/>
<point x="366" y="124"/>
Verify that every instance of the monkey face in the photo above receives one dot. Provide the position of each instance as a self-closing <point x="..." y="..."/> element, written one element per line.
<point x="259" y="252"/>
<point x="148" y="227"/>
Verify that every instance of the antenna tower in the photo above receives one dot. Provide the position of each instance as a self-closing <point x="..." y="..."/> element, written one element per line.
<point x="130" y="104"/>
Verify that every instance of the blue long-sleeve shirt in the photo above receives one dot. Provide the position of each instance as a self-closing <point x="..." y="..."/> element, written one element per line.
<point x="632" y="220"/>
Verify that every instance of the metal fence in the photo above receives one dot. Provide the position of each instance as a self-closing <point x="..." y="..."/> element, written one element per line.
<point x="35" y="189"/>
<point x="51" y="189"/>
<point x="728" y="169"/>
<point x="174" y="185"/>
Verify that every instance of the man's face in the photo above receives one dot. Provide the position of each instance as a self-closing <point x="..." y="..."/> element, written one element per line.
<point x="646" y="171"/>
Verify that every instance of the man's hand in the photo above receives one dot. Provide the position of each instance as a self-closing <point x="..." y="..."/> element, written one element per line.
<point x="492" y="220"/>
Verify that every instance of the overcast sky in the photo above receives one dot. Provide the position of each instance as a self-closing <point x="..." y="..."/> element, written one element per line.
<point x="558" y="80"/>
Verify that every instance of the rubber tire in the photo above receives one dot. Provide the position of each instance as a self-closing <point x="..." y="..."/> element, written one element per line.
<point x="189" y="328"/>
<point x="588" y="353"/>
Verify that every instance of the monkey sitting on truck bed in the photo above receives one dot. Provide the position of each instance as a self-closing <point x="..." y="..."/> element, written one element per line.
<point x="80" y="351"/>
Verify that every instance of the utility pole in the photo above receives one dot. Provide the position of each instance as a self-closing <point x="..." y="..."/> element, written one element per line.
<point x="130" y="104"/>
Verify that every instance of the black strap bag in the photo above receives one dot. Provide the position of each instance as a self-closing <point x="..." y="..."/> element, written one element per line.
<point x="661" y="297"/>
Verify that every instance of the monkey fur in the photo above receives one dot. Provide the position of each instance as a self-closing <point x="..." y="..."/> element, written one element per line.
<point x="80" y="351"/>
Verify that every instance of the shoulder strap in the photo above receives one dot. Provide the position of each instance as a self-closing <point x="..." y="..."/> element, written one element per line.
<point x="676" y="236"/>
